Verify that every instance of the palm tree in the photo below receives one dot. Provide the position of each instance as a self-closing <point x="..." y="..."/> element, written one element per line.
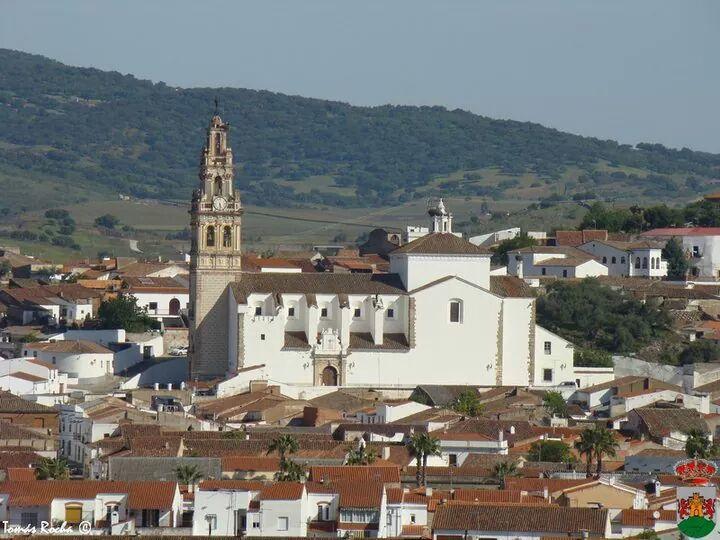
<point x="361" y="456"/>
<point x="605" y="445"/>
<point x="503" y="469"/>
<point x="586" y="447"/>
<point x="414" y="445"/>
<point x="188" y="474"/>
<point x="698" y="444"/>
<point x="52" y="469"/>
<point x="283" y="445"/>
<point x="422" y="445"/>
<point x="290" y="471"/>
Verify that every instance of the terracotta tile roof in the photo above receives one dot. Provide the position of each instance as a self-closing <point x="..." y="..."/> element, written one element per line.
<point x="539" y="484"/>
<point x="296" y="340"/>
<point x="9" y="459"/>
<point x="660" y="421"/>
<point x="10" y="403"/>
<point x="315" y="283"/>
<point x="645" y="518"/>
<point x="282" y="491"/>
<point x="510" y="287"/>
<point x="69" y="346"/>
<point x="354" y="494"/>
<point x="364" y="341"/>
<point x="575" y="238"/>
<point x="682" y="231"/>
<point x="441" y="244"/>
<point x="564" y="261"/>
<point x="27" y="376"/>
<point x="538" y="519"/>
<point x="45" y="293"/>
<point x="629" y="246"/>
<point x="523" y="431"/>
<point x="20" y="474"/>
<point x="39" y="362"/>
<point x="154" y="285"/>
<point x="414" y="530"/>
<point x="355" y="473"/>
<point x="144" y="269"/>
<point x="141" y="495"/>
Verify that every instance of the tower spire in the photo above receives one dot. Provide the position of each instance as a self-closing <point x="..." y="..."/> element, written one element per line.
<point x="216" y="106"/>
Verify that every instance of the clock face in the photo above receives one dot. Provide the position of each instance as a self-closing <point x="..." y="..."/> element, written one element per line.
<point x="219" y="203"/>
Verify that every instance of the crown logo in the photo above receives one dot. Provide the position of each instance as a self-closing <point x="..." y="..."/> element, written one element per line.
<point x="695" y="471"/>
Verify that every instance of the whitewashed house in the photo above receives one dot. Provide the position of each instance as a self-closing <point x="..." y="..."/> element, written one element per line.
<point x="636" y="259"/>
<point x="553" y="261"/>
<point x="159" y="296"/>
<point x="28" y="377"/>
<point x="701" y="244"/>
<point x="77" y="358"/>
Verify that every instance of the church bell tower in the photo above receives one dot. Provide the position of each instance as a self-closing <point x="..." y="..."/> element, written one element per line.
<point x="215" y="219"/>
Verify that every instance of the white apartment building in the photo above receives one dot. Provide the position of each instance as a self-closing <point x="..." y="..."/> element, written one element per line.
<point x="628" y="259"/>
<point x="554" y="261"/>
<point x="701" y="244"/>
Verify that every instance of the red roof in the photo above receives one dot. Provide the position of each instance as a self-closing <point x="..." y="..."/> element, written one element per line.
<point x="282" y="491"/>
<point x="20" y="474"/>
<point x="231" y="485"/>
<point x="387" y="474"/>
<point x="153" y="495"/>
<point x="683" y="231"/>
<point x="250" y="463"/>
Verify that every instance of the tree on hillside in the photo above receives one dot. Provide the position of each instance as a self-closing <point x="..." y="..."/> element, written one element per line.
<point x="500" y="252"/>
<point x="468" y="403"/>
<point x="677" y="261"/>
<point x="583" y="357"/>
<point x="555" y="404"/>
<point x="123" y="312"/>
<point x="107" y="220"/>
<point x="595" y="316"/>
<point x="699" y="351"/>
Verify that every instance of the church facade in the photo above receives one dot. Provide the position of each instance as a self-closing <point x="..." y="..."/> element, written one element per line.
<point x="438" y="317"/>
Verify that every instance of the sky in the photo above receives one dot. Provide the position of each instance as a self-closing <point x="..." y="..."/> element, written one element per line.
<point x="633" y="71"/>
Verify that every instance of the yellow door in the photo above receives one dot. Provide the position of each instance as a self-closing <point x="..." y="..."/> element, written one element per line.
<point x="73" y="514"/>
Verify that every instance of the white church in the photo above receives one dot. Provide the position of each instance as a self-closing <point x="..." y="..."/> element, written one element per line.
<point x="438" y="317"/>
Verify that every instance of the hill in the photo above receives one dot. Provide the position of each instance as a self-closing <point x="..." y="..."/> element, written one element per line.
<point x="70" y="134"/>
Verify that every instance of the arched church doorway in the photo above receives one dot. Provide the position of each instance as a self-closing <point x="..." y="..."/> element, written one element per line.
<point x="329" y="376"/>
<point x="174" y="306"/>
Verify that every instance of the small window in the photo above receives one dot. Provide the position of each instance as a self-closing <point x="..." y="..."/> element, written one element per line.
<point x="637" y="262"/>
<point x="696" y="251"/>
<point x="652" y="263"/>
<point x="613" y="260"/>
<point x="282" y="523"/>
<point x="455" y="312"/>
<point x="547" y="375"/>
<point x="543" y="271"/>
<point x="258" y="311"/>
<point x="622" y="260"/>
<point x="262" y="337"/>
<point x="210" y="236"/>
<point x="152" y="305"/>
<point x="324" y="313"/>
<point x="564" y="273"/>
<point x="256" y="525"/>
<point x="211" y="520"/>
<point x="357" y="313"/>
<point x="389" y="519"/>
<point x="412" y="518"/>
<point x="452" y="460"/>
<point x="291" y="312"/>
<point x="390" y="313"/>
<point x="604" y="260"/>
<point x="548" y="347"/>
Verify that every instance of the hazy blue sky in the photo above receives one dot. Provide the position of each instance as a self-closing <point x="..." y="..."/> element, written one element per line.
<point x="633" y="70"/>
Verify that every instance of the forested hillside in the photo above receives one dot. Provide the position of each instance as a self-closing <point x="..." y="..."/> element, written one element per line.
<point x="94" y="130"/>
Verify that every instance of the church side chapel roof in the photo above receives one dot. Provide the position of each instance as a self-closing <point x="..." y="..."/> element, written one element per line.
<point x="441" y="244"/>
<point x="320" y="283"/>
